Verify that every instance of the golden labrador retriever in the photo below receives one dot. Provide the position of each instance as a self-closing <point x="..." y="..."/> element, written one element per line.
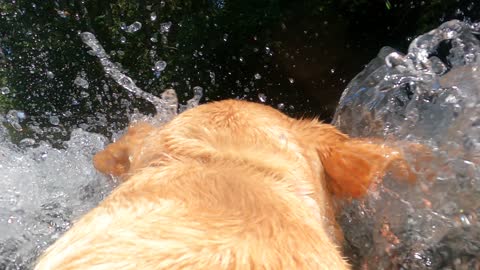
<point x="225" y="185"/>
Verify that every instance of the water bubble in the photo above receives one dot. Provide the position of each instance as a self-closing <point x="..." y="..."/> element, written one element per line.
<point x="291" y="80"/>
<point x="332" y="70"/>
<point x="160" y="65"/>
<point x="123" y="39"/>
<point x="4" y="90"/>
<point x="134" y="27"/>
<point x="225" y="37"/>
<point x="281" y="106"/>
<point x="262" y="97"/>
<point x="81" y="82"/>
<point x="257" y="76"/>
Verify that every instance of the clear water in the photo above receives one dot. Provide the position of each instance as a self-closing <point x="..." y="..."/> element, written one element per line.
<point x="429" y="95"/>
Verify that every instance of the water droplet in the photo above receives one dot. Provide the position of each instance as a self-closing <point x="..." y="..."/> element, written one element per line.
<point x="291" y="80"/>
<point x="79" y="81"/>
<point x="262" y="97"/>
<point x="212" y="77"/>
<point x="4" y="90"/>
<point x="134" y="27"/>
<point x="451" y="99"/>
<point x="240" y="59"/>
<point x="62" y="13"/>
<point x="50" y="75"/>
<point x="160" y="65"/>
<point x="165" y="27"/>
<point x="268" y="50"/>
<point x="198" y="91"/>
<point x="257" y="76"/>
<point x="153" y="16"/>
<point x="14" y="117"/>
<point x="123" y="39"/>
<point x="225" y="37"/>
<point x="21" y="115"/>
<point x="332" y="70"/>
<point x="54" y="120"/>
<point x="281" y="106"/>
<point x="126" y="82"/>
<point x="27" y="142"/>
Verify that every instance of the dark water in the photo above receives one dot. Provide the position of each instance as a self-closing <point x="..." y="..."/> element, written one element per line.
<point x="295" y="55"/>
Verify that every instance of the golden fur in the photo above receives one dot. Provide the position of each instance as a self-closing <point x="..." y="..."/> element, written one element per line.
<point x="226" y="185"/>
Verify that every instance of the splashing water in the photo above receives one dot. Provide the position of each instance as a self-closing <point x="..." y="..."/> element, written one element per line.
<point x="43" y="189"/>
<point x="430" y="95"/>
<point x="166" y="107"/>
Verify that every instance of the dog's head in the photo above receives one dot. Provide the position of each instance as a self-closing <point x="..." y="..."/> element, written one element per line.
<point x="349" y="164"/>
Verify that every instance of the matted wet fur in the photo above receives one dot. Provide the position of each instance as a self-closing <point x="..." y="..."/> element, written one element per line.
<point x="225" y="185"/>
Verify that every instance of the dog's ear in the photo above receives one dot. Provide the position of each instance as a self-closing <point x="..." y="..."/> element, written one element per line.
<point x="115" y="158"/>
<point x="352" y="165"/>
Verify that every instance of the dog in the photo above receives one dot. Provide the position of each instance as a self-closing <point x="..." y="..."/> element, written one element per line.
<point x="225" y="185"/>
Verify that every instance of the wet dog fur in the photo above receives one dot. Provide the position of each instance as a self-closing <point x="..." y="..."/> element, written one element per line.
<point x="225" y="185"/>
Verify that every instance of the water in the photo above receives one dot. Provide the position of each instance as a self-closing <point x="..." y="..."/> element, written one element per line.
<point x="429" y="95"/>
<point x="44" y="188"/>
